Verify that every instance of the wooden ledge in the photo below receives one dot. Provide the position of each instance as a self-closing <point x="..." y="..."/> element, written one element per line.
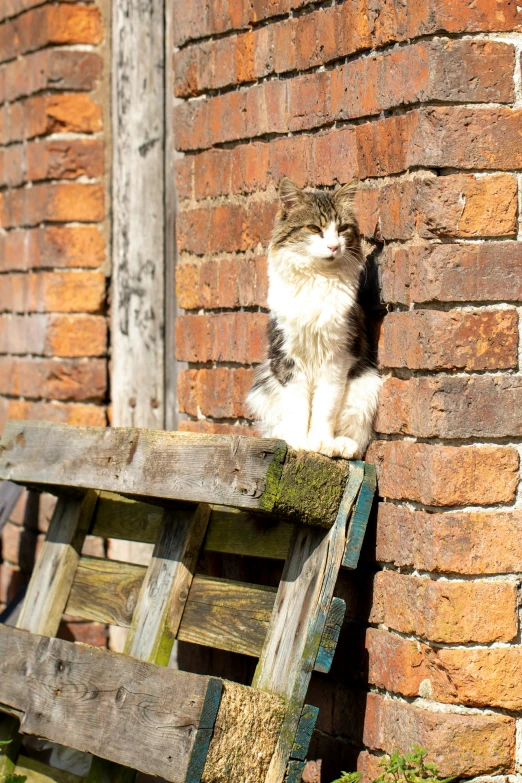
<point x="261" y="474"/>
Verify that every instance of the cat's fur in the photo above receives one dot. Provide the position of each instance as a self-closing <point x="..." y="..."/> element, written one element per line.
<point x="318" y="389"/>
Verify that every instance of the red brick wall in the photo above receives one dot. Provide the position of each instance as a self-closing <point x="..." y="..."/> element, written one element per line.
<point x="421" y="101"/>
<point x="53" y="234"/>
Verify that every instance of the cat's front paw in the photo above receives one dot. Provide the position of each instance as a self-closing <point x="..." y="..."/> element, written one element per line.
<point x="334" y="447"/>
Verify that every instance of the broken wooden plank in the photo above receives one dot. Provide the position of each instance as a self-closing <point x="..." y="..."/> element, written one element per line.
<point x="108" y="704"/>
<point x="251" y="473"/>
<point x="298" y="620"/>
<point x="330" y="637"/>
<point x="305" y="729"/>
<point x="164" y="591"/>
<point x="360" y="516"/>
<point x="54" y="572"/>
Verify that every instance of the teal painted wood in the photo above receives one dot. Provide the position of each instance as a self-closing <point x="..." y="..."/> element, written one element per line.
<point x="304" y="732"/>
<point x="294" y="771"/>
<point x="330" y="636"/>
<point x="204" y="731"/>
<point x="360" y="517"/>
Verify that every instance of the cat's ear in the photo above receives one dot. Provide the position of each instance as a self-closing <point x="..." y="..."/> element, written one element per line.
<point x="346" y="194"/>
<point x="289" y="193"/>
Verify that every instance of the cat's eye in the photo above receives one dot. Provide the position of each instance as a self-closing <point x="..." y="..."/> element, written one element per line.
<point x="343" y="228"/>
<point x="314" y="229"/>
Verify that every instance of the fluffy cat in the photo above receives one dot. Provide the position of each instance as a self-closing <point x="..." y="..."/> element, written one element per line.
<point x="318" y="389"/>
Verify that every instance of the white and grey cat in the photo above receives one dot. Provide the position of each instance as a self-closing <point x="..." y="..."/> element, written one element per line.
<point x="318" y="389"/>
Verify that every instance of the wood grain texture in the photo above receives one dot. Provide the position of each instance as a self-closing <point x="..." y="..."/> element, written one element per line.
<point x="330" y="637"/>
<point x="104" y="703"/>
<point x="305" y="729"/>
<point x="126" y="519"/>
<point x="360" y="516"/>
<point x="105" y="591"/>
<point x="224" y="469"/>
<point x="294" y="772"/>
<point x="298" y="620"/>
<point x="53" y="575"/>
<point x="163" y="594"/>
<point x="138" y="255"/>
<point x="9" y="494"/>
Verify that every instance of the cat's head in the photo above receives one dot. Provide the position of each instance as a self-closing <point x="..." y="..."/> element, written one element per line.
<point x="318" y="227"/>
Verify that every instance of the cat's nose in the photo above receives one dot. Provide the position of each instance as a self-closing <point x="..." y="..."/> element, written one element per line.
<point x="333" y="248"/>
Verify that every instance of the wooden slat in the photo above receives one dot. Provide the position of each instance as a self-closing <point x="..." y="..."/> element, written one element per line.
<point x="294" y="773"/>
<point x="253" y="473"/>
<point x="298" y="620"/>
<point x="304" y="732"/>
<point x="360" y="516"/>
<point x="219" y="613"/>
<point x="54" y="572"/>
<point x="9" y="494"/>
<point x="236" y="471"/>
<point x="38" y="772"/>
<point x="112" y="705"/>
<point x="330" y="637"/>
<point x="163" y="594"/>
<point x="127" y="519"/>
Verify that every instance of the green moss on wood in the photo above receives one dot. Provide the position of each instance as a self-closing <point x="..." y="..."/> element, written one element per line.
<point x="273" y="477"/>
<point x="311" y="488"/>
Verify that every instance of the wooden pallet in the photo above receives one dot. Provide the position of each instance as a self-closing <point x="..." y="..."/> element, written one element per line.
<point x="187" y="495"/>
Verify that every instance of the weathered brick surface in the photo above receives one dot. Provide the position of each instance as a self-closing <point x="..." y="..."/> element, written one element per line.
<point x="52" y="246"/>
<point x="230" y="337"/>
<point x="219" y="393"/>
<point x="488" y="272"/>
<point x="486" y="542"/>
<point x="60" y="292"/>
<point x="228" y="282"/>
<point x="446" y="611"/>
<point x="71" y="379"/>
<point x="436" y="340"/>
<point x="480" y="677"/>
<point x="445" y="475"/>
<point x="480" y="406"/>
<point x="60" y="202"/>
<point x="458" y="743"/>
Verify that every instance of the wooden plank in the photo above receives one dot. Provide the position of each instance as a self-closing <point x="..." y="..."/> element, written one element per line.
<point x="294" y="771"/>
<point x="229" y="530"/>
<point x="138" y="255"/>
<point x="108" y="704"/>
<point x="304" y="733"/>
<point x="219" y="613"/>
<point x="330" y="637"/>
<point x="298" y="620"/>
<point x="237" y="471"/>
<point x="164" y="592"/>
<point x="229" y="470"/>
<point x="53" y="574"/>
<point x="38" y="772"/>
<point x="9" y="495"/>
<point x="360" y="516"/>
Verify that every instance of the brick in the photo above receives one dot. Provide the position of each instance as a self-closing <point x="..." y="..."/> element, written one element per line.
<point x="480" y="677"/>
<point x="219" y="393"/>
<point x="249" y="168"/>
<point x="216" y="428"/>
<point x="459" y="205"/>
<point x="212" y="170"/>
<point x="66" y="379"/>
<point x="488" y="272"/>
<point x="233" y="337"/>
<point x="45" y="114"/>
<point x="228" y="282"/>
<point x="226" y="228"/>
<point x="80" y="414"/>
<point x="93" y="546"/>
<point x="53" y="246"/>
<point x="55" y="69"/>
<point x="65" y="159"/>
<point x="184" y="177"/>
<point x="63" y="292"/>
<point x="11" y="581"/>
<point x="53" y="335"/>
<point x="453" y="612"/>
<point x="59" y="202"/>
<point x="480" y="542"/>
<point x="335" y="155"/>
<point x="10" y="542"/>
<point x="482" y="406"/>
<point x="445" y="475"/>
<point x="93" y="634"/>
<point x="456" y="339"/>
<point x="47" y="25"/>
<point x="292" y="157"/>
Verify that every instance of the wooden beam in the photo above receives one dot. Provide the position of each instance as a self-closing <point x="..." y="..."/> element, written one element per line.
<point x="138" y="213"/>
<point x="108" y="704"/>
<point x="299" y="617"/>
<point x="168" y="580"/>
<point x="360" y="516"/>
<point x="261" y="474"/>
